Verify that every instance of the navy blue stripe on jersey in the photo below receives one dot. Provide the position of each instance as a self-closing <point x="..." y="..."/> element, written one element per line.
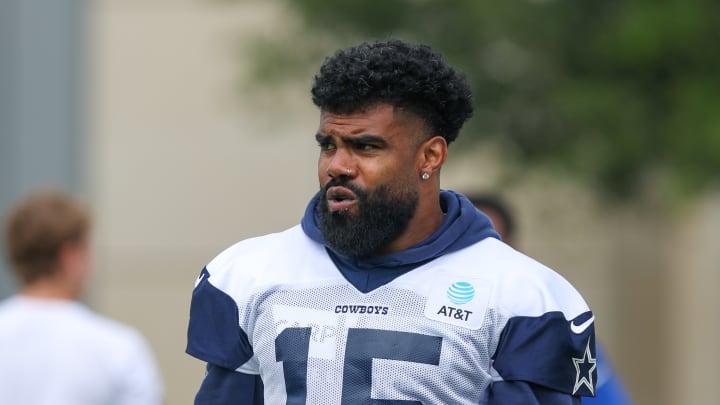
<point x="463" y="226"/>
<point x="292" y="348"/>
<point x="549" y="351"/>
<point x="522" y="393"/>
<point x="364" y="345"/>
<point x="228" y="387"/>
<point x="213" y="310"/>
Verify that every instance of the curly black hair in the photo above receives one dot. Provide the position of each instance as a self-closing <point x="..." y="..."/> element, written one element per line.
<point x="412" y="77"/>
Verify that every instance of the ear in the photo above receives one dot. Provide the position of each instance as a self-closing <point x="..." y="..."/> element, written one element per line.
<point x="432" y="155"/>
<point x="72" y="258"/>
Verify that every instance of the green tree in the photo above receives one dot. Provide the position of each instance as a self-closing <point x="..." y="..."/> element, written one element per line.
<point x="616" y="92"/>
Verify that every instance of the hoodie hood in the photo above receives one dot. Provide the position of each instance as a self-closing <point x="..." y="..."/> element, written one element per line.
<point x="463" y="226"/>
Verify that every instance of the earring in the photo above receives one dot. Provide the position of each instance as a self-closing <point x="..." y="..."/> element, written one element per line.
<point x="425" y="176"/>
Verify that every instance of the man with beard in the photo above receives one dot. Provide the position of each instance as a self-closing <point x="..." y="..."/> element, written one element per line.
<point x="391" y="290"/>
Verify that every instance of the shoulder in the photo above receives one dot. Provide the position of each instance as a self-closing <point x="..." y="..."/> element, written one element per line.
<point x="262" y="260"/>
<point x="8" y="307"/>
<point x="12" y="316"/>
<point x="129" y="359"/>
<point x="261" y="250"/>
<point x="544" y="314"/>
<point x="123" y="338"/>
<point x="126" y="349"/>
<point x="71" y="320"/>
<point x="522" y="285"/>
<point x="230" y="283"/>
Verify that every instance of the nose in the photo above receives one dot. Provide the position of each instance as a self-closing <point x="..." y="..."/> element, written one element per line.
<point x="340" y="164"/>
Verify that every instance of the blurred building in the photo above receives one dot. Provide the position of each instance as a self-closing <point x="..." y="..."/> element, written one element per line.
<point x="42" y="65"/>
<point x="140" y="107"/>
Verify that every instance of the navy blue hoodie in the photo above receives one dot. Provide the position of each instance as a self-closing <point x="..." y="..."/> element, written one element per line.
<point x="463" y="226"/>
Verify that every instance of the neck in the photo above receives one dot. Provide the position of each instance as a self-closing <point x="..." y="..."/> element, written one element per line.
<point x="49" y="290"/>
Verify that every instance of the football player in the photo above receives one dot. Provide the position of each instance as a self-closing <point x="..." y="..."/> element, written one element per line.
<point x="390" y="290"/>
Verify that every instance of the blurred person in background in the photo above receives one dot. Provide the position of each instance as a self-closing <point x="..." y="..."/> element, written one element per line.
<point x="53" y="349"/>
<point x="390" y="290"/>
<point x="610" y="389"/>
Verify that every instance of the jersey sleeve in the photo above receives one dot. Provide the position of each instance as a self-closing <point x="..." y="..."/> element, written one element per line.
<point x="222" y="386"/>
<point x="548" y="339"/>
<point x="550" y="352"/>
<point x="214" y="333"/>
<point x="215" y="336"/>
<point x="524" y="393"/>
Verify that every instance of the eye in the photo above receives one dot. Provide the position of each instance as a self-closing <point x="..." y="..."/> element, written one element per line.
<point x="326" y="146"/>
<point x="366" y="146"/>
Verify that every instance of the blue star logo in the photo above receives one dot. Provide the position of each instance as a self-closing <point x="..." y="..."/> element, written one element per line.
<point x="584" y="368"/>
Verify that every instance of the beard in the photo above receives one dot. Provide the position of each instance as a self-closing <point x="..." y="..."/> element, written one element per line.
<point x="381" y="217"/>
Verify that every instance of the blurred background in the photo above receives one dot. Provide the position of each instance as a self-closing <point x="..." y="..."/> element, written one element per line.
<point x="188" y="125"/>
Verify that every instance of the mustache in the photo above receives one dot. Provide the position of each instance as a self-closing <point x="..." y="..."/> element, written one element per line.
<point x="341" y="181"/>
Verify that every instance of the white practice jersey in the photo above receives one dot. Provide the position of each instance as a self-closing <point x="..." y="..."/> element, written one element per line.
<point x="433" y="335"/>
<point x="56" y="352"/>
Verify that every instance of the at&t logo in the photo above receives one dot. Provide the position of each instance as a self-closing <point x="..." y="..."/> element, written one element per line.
<point x="461" y="292"/>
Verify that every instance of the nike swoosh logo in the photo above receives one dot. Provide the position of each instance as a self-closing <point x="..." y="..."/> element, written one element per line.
<point x="578" y="329"/>
<point x="199" y="279"/>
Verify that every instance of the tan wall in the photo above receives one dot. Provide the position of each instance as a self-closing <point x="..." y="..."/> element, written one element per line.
<point x="184" y="164"/>
<point x="693" y="303"/>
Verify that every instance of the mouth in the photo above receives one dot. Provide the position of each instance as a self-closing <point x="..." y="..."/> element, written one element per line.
<point x="340" y="199"/>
